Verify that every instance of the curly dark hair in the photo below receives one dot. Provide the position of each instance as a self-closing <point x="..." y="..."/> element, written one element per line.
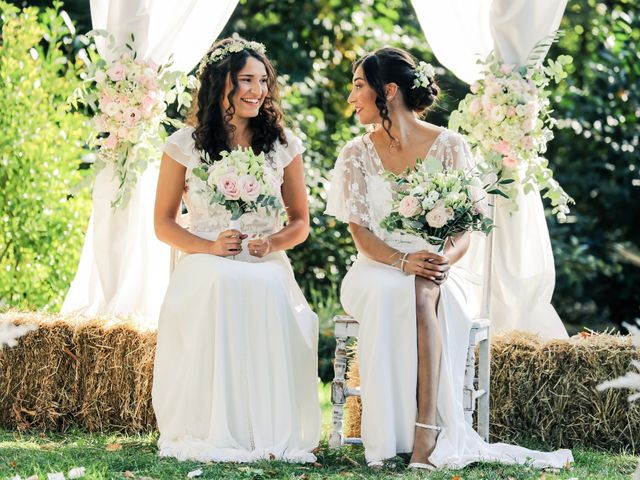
<point x="212" y="125"/>
<point x="394" y="65"/>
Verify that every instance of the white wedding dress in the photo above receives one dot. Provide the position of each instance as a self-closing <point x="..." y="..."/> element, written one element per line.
<point x="382" y="299"/>
<point x="235" y="375"/>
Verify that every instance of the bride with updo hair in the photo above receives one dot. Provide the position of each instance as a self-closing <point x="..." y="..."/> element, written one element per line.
<point x="411" y="302"/>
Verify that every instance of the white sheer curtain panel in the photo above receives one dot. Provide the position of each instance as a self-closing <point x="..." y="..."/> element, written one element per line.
<point x="124" y="269"/>
<point x="523" y="276"/>
<point x="458" y="32"/>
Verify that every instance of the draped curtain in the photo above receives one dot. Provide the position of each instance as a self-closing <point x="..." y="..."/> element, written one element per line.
<point x="523" y="274"/>
<point x="124" y="269"/>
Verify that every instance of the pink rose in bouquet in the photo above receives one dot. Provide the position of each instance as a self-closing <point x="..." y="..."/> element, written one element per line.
<point x="249" y="188"/>
<point x="409" y="206"/>
<point x="228" y="184"/>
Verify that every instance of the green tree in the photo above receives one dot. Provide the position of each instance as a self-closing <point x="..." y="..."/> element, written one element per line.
<point x="595" y="154"/>
<point x="42" y="223"/>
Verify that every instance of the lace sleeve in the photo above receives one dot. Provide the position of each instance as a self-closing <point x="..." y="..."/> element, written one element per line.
<point x="347" y="193"/>
<point x="181" y="147"/>
<point x="455" y="153"/>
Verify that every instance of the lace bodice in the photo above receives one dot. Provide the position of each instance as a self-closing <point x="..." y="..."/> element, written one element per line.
<point x="359" y="193"/>
<point x="209" y="220"/>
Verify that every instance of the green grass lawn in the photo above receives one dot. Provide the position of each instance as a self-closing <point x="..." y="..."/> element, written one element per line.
<point x="112" y="456"/>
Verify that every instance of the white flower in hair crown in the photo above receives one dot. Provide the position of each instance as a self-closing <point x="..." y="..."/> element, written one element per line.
<point x="233" y="47"/>
<point x="425" y="73"/>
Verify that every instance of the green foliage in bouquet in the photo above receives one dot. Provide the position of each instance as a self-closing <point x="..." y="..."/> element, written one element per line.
<point x="42" y="220"/>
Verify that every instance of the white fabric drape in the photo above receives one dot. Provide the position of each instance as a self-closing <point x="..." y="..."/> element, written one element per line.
<point x="124" y="269"/>
<point x="523" y="274"/>
<point x="163" y="28"/>
<point x="510" y="27"/>
<point x="458" y="32"/>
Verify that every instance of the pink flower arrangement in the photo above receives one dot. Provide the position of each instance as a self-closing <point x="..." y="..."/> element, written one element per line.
<point x="510" y="162"/>
<point x="439" y="216"/>
<point x="409" y="206"/>
<point x="116" y="72"/>
<point x="228" y="185"/>
<point x="131" y="95"/>
<point x="507" y="121"/>
<point x="249" y="188"/>
<point x="502" y="147"/>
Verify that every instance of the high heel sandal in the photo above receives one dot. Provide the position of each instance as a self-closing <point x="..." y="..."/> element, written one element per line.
<point x="425" y="466"/>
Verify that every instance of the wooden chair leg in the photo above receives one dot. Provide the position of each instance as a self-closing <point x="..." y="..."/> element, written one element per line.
<point x="484" y="380"/>
<point x="338" y="387"/>
<point x="469" y="376"/>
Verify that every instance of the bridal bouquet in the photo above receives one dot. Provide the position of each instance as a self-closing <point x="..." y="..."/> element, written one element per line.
<point x="436" y="205"/>
<point x="130" y="97"/>
<point x="242" y="182"/>
<point x="507" y="119"/>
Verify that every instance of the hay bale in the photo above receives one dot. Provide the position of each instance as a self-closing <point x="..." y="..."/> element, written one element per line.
<point x="546" y="391"/>
<point x="353" y="407"/>
<point x="37" y="385"/>
<point x="117" y="376"/>
<point x="71" y="372"/>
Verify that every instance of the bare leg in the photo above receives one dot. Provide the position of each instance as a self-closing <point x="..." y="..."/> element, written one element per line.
<point x="429" y="353"/>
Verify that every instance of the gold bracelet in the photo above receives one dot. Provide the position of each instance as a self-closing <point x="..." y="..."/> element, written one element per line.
<point x="404" y="260"/>
<point x="398" y="261"/>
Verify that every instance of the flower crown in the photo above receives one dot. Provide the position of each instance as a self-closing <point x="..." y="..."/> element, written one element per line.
<point x="425" y="73"/>
<point x="236" y="45"/>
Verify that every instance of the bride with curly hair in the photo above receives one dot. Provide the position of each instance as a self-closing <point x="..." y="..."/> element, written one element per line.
<point x="236" y="360"/>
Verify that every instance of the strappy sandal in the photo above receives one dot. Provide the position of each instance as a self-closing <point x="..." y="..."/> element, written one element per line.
<point x="425" y="466"/>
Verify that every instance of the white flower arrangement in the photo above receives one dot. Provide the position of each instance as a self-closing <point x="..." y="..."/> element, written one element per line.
<point x="507" y="120"/>
<point x="236" y="45"/>
<point x="130" y="96"/>
<point x="425" y="73"/>
<point x="438" y="204"/>
<point x="241" y="181"/>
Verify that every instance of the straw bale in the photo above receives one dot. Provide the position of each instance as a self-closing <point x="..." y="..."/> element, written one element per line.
<point x="353" y="407"/>
<point x="545" y="391"/>
<point x="73" y="372"/>
<point x="97" y="375"/>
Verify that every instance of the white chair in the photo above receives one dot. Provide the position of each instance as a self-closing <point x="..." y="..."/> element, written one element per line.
<point x="476" y="390"/>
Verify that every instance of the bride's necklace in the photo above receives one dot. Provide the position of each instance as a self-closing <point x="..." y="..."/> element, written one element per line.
<point x="396" y="143"/>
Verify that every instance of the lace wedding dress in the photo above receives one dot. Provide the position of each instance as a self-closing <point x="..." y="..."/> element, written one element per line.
<point x="235" y="376"/>
<point x="382" y="299"/>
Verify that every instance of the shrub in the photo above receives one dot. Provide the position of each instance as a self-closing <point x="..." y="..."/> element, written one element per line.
<point x="42" y="223"/>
